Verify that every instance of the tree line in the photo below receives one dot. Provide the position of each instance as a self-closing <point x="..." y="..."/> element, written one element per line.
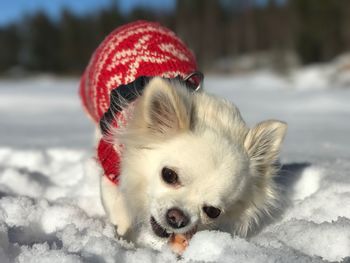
<point x="315" y="30"/>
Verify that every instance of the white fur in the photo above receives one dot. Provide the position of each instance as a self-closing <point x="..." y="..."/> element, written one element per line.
<point x="219" y="160"/>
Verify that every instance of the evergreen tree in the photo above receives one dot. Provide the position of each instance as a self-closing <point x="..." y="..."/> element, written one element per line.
<point x="9" y="46"/>
<point x="41" y="44"/>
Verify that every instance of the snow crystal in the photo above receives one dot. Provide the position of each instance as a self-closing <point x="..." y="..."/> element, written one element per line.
<point x="42" y="253"/>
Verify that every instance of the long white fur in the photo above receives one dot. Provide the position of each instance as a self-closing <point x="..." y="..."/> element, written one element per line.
<point x="220" y="162"/>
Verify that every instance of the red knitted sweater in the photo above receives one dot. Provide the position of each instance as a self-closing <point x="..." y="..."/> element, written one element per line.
<point x="137" y="49"/>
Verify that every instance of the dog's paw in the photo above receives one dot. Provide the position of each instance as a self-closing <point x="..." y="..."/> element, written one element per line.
<point x="121" y="229"/>
<point x="116" y="234"/>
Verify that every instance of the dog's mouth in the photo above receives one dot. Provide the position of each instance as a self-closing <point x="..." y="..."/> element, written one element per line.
<point x="158" y="229"/>
<point x="162" y="232"/>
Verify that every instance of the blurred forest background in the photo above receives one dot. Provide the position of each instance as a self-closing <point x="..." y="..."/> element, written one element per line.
<point x="226" y="35"/>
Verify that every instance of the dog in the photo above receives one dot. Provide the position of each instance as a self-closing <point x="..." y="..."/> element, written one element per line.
<point x="191" y="163"/>
<point x="187" y="162"/>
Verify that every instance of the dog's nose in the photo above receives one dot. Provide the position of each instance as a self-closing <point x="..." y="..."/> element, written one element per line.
<point x="177" y="218"/>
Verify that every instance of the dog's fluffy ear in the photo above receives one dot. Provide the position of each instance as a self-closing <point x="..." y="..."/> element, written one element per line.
<point x="166" y="108"/>
<point x="263" y="143"/>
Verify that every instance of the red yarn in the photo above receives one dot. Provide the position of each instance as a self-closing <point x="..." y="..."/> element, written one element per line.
<point x="109" y="160"/>
<point x="137" y="49"/>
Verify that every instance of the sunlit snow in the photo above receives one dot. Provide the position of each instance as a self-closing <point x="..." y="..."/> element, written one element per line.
<point x="50" y="207"/>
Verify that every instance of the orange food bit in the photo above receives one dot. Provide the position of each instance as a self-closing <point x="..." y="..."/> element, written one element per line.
<point x="178" y="243"/>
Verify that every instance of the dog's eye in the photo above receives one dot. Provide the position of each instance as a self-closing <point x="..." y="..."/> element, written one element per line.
<point x="169" y="176"/>
<point x="212" y="211"/>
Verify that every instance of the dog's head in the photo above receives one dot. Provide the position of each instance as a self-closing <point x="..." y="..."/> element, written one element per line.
<point x="190" y="163"/>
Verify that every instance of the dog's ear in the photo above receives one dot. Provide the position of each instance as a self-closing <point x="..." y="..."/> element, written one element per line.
<point x="263" y="143"/>
<point x="166" y="107"/>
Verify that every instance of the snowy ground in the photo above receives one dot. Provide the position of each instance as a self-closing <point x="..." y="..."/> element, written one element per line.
<point x="49" y="206"/>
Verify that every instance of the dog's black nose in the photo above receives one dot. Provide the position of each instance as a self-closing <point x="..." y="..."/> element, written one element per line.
<point x="177" y="218"/>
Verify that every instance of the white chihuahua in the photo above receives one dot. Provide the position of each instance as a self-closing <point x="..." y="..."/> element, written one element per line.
<point x="190" y="163"/>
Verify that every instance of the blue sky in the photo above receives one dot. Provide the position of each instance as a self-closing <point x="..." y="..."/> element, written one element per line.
<point x="13" y="10"/>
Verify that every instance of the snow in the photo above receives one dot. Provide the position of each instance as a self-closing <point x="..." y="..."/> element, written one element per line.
<point x="50" y="209"/>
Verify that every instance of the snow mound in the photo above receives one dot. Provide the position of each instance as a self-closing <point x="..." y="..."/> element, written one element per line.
<point x="221" y="247"/>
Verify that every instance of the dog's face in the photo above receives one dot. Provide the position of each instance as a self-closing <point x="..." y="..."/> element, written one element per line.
<point x="191" y="163"/>
<point x="196" y="178"/>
